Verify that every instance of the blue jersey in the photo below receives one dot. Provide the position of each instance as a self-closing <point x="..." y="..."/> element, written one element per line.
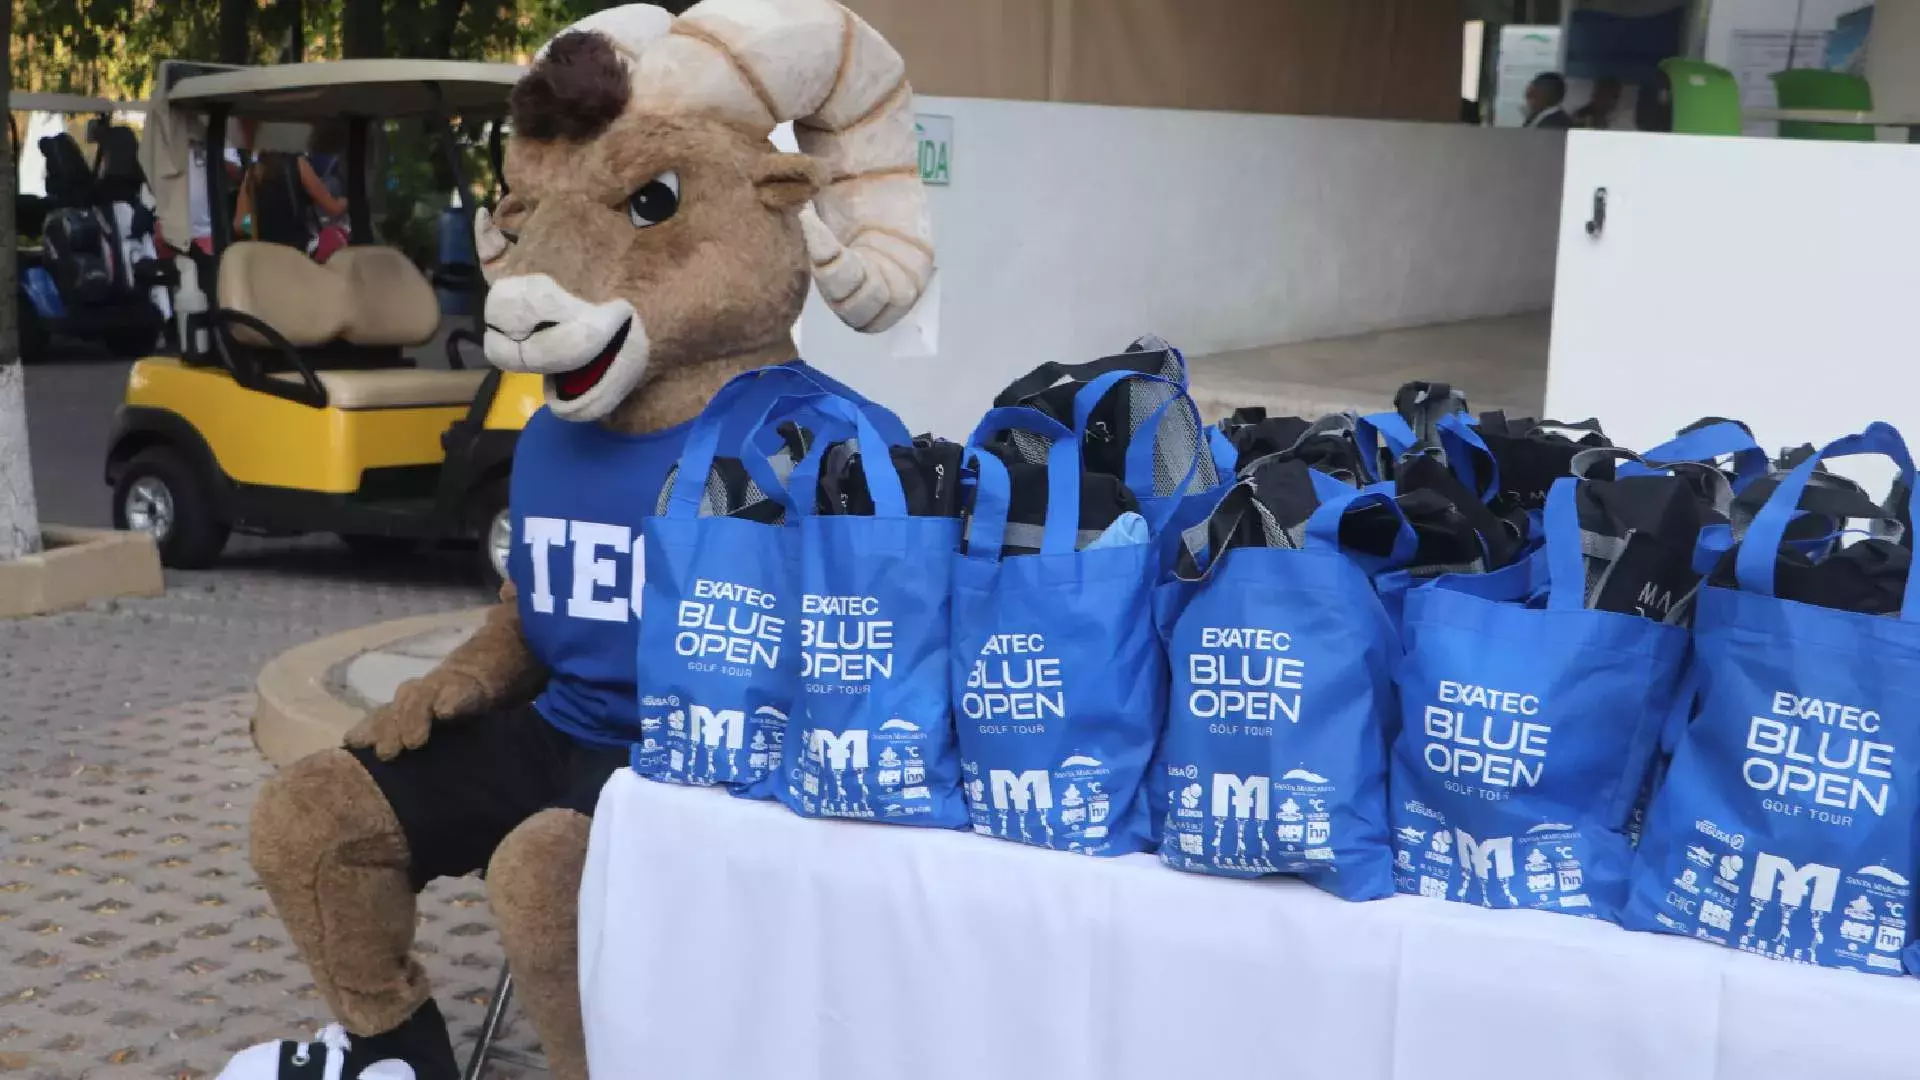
<point x="578" y="496"/>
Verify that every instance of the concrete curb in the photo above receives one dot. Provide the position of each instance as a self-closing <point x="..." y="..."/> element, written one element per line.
<point x="78" y="566"/>
<point x="298" y="713"/>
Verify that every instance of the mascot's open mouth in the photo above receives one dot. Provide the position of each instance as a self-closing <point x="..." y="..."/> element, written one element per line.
<point x="571" y="384"/>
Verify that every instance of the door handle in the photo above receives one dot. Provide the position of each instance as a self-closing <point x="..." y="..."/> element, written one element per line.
<point x="1597" y="224"/>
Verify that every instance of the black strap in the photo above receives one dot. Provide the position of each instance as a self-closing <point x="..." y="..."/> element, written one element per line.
<point x="1051" y="374"/>
<point x="303" y="1061"/>
<point x="1423" y="404"/>
<point x="1226" y="528"/>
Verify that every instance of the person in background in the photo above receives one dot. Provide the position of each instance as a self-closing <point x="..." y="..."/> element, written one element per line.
<point x="199" y="214"/>
<point x="1544" y="97"/>
<point x="1602" y="110"/>
<point x="278" y="198"/>
<point x="1653" y="106"/>
<point x="331" y="231"/>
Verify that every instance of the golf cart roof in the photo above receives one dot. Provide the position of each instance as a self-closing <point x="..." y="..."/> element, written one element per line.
<point x="33" y="101"/>
<point x="337" y="88"/>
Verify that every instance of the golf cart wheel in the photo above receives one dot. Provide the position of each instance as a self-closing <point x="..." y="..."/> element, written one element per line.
<point x="379" y="547"/>
<point x="488" y="512"/>
<point x="158" y="494"/>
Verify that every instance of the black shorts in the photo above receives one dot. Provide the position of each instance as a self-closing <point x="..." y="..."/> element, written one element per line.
<point x="476" y="780"/>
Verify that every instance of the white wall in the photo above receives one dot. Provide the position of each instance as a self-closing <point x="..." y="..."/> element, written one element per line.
<point x="1766" y="280"/>
<point x="1070" y="230"/>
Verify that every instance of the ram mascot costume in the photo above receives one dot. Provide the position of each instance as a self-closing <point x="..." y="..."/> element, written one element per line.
<point x="653" y="245"/>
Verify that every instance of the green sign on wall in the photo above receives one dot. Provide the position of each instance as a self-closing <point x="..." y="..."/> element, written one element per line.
<point x="936" y="148"/>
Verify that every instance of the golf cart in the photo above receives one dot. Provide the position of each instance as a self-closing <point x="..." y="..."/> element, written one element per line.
<point x="94" y="272"/>
<point x="293" y="405"/>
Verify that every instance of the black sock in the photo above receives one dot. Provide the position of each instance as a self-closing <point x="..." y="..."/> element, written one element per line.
<point x="421" y="1041"/>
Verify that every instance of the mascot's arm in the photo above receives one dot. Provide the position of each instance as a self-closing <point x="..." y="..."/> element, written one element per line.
<point x="491" y="670"/>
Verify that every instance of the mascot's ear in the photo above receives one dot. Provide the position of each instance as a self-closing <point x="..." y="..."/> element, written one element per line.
<point x="788" y="181"/>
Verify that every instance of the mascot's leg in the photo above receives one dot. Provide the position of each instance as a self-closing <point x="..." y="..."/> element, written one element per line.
<point x="534" y="884"/>
<point x="330" y="851"/>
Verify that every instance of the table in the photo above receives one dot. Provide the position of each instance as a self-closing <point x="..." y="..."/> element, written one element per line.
<point x="731" y="940"/>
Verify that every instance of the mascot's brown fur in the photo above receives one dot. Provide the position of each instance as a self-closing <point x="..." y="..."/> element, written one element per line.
<point x="627" y="95"/>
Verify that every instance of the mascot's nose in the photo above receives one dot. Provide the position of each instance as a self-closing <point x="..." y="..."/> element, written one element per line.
<point x="522" y="335"/>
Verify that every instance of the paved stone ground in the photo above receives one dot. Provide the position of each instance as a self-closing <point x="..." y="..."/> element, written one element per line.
<point x="134" y="941"/>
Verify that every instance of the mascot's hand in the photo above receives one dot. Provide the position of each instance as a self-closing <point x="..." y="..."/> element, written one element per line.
<point x="405" y="722"/>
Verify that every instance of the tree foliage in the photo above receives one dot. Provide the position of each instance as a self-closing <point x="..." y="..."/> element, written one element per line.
<point x="110" y="47"/>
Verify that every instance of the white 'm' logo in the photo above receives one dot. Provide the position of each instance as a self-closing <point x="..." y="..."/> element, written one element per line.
<point x="1486" y="856"/>
<point x="1021" y="791"/>
<point x="1774" y="876"/>
<point x="1241" y="798"/>
<point x="837" y="752"/>
<point x="712" y="727"/>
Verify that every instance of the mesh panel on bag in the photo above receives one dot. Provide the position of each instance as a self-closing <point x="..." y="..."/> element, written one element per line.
<point x="730" y="491"/>
<point x="1177" y="441"/>
<point x="1030" y="448"/>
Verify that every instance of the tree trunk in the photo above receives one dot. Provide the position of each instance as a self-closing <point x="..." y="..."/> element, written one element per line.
<point x="363" y="29"/>
<point x="234" y="27"/>
<point x="294" y="16"/>
<point x="19" y="517"/>
<point x="446" y="19"/>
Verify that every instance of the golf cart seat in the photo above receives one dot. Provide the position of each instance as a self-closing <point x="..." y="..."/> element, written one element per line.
<point x="389" y="299"/>
<point x="370" y="299"/>
<point x="394" y="388"/>
<point x="302" y="300"/>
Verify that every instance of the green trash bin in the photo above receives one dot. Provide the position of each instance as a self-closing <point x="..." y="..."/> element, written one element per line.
<point x="1706" y="99"/>
<point x="1812" y="88"/>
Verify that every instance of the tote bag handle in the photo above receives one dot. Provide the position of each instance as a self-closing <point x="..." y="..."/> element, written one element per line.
<point x="1323" y="528"/>
<point x="883" y="484"/>
<point x="1720" y="439"/>
<point x="993" y="488"/>
<point x="1321" y="532"/>
<point x="717" y="422"/>
<point x="1719" y="488"/>
<point x="1760" y="550"/>
<point x="1141" y="444"/>
<point x="1392" y="430"/>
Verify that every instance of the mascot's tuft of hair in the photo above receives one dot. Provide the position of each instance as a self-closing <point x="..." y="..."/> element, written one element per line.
<point x="651" y="226"/>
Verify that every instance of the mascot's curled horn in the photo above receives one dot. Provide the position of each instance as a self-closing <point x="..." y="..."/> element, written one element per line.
<point x="653" y="245"/>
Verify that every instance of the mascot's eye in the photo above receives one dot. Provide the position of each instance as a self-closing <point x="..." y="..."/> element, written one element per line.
<point x="654" y="201"/>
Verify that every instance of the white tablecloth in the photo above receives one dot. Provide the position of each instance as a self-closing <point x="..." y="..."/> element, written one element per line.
<point x="731" y="940"/>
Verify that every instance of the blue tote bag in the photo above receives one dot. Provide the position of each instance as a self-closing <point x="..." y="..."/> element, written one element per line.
<point x="718" y="662"/>
<point x="1058" y="679"/>
<point x="1274" y="756"/>
<point x="1786" y="826"/>
<point x="1526" y="732"/>
<point x="871" y="732"/>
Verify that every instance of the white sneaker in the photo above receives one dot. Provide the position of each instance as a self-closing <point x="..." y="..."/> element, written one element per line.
<point x="325" y="1058"/>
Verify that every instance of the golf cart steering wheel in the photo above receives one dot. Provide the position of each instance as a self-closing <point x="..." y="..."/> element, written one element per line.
<point x="458" y="337"/>
<point x="311" y="392"/>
